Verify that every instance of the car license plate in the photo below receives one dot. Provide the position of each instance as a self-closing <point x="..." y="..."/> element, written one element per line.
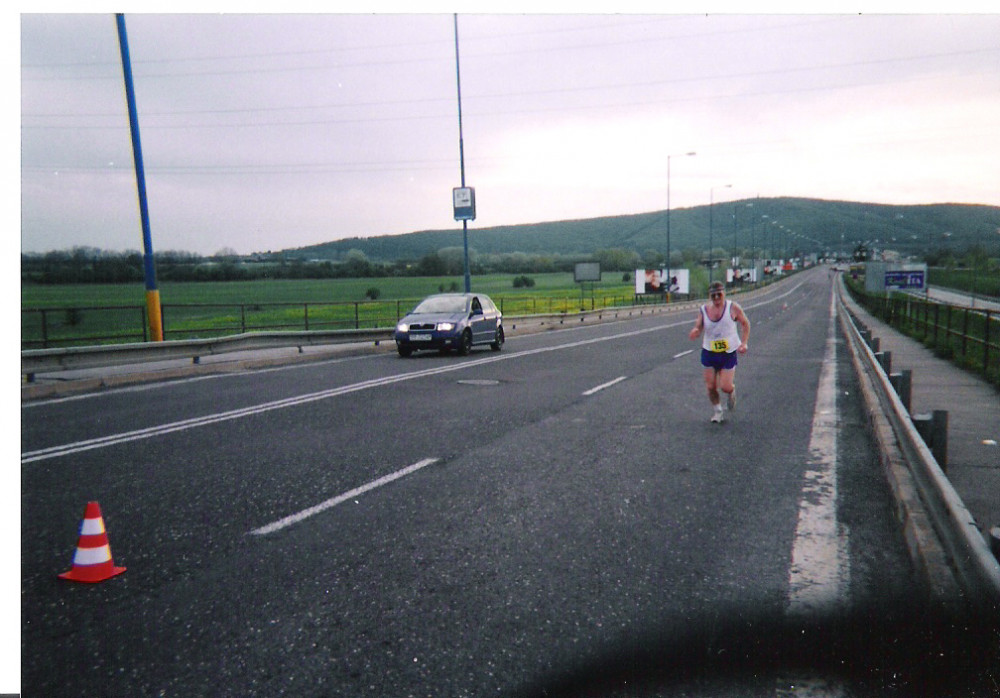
<point x="420" y="338"/>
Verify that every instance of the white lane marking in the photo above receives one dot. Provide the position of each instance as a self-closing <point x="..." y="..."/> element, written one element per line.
<point x="683" y="353"/>
<point x="125" y="437"/>
<point x="601" y="387"/>
<point x="104" y="441"/>
<point x="323" y="506"/>
<point x="820" y="569"/>
<point x="148" y="387"/>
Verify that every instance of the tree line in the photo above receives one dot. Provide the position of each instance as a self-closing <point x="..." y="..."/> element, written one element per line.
<point x="82" y="265"/>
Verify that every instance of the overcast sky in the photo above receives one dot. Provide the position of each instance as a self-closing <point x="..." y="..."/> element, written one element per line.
<point x="265" y="132"/>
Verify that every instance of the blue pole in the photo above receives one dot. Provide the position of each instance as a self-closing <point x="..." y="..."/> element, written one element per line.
<point x="149" y="266"/>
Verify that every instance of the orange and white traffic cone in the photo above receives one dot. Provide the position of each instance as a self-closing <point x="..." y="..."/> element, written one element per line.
<point x="92" y="561"/>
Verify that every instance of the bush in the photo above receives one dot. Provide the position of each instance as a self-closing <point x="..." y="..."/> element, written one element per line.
<point x="523" y="282"/>
<point x="372" y="293"/>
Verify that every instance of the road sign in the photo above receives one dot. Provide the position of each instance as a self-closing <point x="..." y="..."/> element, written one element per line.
<point x="464" y="200"/>
<point x="905" y="279"/>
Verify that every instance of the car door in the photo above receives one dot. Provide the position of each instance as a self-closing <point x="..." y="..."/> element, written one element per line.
<point x="478" y="322"/>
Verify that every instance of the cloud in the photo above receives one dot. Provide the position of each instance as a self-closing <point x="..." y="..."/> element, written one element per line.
<point x="272" y="131"/>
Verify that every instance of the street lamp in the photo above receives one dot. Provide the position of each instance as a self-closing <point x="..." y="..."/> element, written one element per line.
<point x="711" y="206"/>
<point x="668" y="217"/>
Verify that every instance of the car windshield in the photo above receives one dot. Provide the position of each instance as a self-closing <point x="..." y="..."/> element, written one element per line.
<point x="441" y="304"/>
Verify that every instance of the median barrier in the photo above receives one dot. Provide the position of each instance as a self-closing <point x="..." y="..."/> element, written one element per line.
<point x="954" y="558"/>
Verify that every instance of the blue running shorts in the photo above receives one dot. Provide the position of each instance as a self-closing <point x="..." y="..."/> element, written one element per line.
<point x="719" y="360"/>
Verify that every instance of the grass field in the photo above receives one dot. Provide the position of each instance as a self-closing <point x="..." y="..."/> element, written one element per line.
<point x="982" y="282"/>
<point x="308" y="290"/>
<point x="107" y="313"/>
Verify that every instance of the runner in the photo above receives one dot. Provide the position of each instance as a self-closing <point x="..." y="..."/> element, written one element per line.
<point x="725" y="330"/>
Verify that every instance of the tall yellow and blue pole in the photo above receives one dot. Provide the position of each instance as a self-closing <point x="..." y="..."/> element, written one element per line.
<point x="148" y="261"/>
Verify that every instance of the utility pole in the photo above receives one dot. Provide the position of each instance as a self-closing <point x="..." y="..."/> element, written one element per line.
<point x="149" y="263"/>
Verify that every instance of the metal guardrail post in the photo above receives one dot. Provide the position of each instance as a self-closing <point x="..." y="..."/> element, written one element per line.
<point x="933" y="428"/>
<point x="884" y="359"/>
<point x="902" y="382"/>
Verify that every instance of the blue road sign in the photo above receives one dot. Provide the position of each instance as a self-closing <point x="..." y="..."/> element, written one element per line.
<point x="904" y="279"/>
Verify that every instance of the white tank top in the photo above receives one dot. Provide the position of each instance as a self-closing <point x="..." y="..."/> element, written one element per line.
<point x="721" y="336"/>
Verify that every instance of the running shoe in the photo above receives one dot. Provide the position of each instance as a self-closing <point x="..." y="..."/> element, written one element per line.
<point x="718" y="417"/>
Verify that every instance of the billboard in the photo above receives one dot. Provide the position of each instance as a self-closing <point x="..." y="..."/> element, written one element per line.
<point x="741" y="275"/>
<point x="587" y="271"/>
<point x="653" y="281"/>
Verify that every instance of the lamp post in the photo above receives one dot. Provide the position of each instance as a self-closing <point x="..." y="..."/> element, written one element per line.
<point x="753" y="239"/>
<point x="461" y="160"/>
<point x="668" y="217"/>
<point x="711" y="206"/>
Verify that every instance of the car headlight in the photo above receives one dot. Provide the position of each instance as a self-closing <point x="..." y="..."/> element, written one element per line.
<point x="402" y="327"/>
<point x="446" y="326"/>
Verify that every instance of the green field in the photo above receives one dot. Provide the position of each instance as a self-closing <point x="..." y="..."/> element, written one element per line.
<point x="106" y="313"/>
<point x="982" y="282"/>
<point x="308" y="290"/>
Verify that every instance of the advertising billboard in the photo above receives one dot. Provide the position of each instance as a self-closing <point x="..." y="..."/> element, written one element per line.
<point x="653" y="281"/>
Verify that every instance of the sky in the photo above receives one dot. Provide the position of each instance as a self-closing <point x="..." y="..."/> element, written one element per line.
<point x="273" y="131"/>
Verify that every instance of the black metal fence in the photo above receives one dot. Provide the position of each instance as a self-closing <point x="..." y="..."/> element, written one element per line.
<point x="970" y="337"/>
<point x="92" y="325"/>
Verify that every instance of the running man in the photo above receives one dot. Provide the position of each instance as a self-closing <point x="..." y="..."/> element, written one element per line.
<point x="725" y="330"/>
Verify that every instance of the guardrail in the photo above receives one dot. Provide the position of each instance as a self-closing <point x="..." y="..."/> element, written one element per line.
<point x="975" y="569"/>
<point x="70" y="358"/>
<point x="45" y="328"/>
<point x="37" y="361"/>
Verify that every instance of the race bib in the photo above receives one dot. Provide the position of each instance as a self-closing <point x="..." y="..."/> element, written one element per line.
<point x="720" y="345"/>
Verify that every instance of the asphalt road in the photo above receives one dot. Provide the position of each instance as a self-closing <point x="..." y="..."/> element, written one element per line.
<point x="499" y="524"/>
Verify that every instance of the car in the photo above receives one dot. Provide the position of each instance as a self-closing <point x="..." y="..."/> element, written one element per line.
<point x="448" y="321"/>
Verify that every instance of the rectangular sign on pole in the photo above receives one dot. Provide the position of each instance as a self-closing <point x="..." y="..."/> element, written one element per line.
<point x="587" y="271"/>
<point x="464" y="201"/>
<point x="662" y="281"/>
<point x="892" y="276"/>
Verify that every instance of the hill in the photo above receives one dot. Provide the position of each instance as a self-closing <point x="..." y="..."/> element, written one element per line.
<point x="773" y="226"/>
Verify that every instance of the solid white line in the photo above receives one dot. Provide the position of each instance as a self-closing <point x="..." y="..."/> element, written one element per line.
<point x="683" y="353"/>
<point x="323" y="506"/>
<point x="601" y="387"/>
<point x="820" y="570"/>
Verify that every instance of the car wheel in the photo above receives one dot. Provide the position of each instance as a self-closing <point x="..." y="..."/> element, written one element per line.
<point x="498" y="342"/>
<point x="404" y="351"/>
<point x="465" y="344"/>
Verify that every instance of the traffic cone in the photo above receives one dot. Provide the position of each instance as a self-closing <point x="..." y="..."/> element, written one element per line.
<point x="92" y="561"/>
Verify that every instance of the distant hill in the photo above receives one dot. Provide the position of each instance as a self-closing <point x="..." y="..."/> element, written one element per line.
<point x="775" y="224"/>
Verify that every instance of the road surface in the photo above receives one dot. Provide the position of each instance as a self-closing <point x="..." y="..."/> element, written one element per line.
<point x="463" y="526"/>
